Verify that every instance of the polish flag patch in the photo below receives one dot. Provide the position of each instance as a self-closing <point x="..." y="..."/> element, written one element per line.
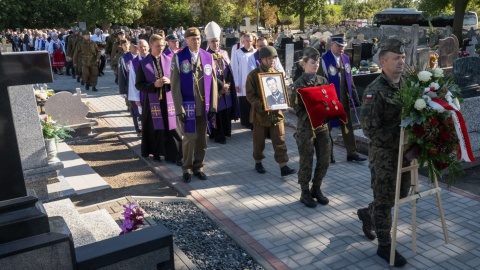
<point x="368" y="96"/>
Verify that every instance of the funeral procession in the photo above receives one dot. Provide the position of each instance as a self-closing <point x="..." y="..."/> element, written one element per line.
<point x="240" y="135"/>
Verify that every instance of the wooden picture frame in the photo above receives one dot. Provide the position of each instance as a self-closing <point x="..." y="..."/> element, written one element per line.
<point x="269" y="82"/>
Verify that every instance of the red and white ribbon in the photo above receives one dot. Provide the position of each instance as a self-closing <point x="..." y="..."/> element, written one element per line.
<point x="460" y="127"/>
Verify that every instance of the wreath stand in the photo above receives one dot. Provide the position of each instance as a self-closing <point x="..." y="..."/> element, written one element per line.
<point x="413" y="169"/>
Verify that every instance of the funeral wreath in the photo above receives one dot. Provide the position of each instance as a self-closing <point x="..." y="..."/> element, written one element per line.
<point x="435" y="128"/>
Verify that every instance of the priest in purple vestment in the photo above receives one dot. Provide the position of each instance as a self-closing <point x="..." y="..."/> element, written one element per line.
<point x="159" y="134"/>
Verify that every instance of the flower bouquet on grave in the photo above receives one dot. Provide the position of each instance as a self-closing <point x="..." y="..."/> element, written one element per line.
<point x="52" y="130"/>
<point x="133" y="218"/>
<point x="463" y="54"/>
<point x="435" y="128"/>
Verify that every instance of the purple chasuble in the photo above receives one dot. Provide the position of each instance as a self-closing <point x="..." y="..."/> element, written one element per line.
<point x="258" y="61"/>
<point x="187" y="84"/>
<point x="153" y="98"/>
<point x="333" y="77"/>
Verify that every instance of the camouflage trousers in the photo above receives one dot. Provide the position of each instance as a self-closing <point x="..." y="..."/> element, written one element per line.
<point x="78" y="68"/>
<point x="90" y="74"/>
<point x="308" y="145"/>
<point x="383" y="168"/>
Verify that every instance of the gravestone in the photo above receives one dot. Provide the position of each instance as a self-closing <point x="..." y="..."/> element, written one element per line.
<point x="467" y="75"/>
<point x="448" y="51"/>
<point x="423" y="58"/>
<point x="25" y="234"/>
<point x="69" y="110"/>
<point x="471" y="47"/>
<point x="289" y="54"/>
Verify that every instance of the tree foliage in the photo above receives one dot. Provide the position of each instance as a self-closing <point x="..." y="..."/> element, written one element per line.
<point x="300" y="8"/>
<point x="434" y="7"/>
<point x="352" y="10"/>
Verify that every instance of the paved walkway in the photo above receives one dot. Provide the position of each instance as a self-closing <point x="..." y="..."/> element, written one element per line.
<point x="263" y="212"/>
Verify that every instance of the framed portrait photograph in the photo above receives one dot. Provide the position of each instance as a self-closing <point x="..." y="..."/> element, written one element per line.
<point x="274" y="92"/>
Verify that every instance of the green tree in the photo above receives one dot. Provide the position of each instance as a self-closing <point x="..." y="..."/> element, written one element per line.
<point x="111" y="11"/>
<point x="403" y="4"/>
<point x="11" y="15"/>
<point x="434" y="7"/>
<point x="300" y="8"/>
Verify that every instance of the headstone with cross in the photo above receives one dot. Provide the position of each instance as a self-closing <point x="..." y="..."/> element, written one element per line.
<point x="20" y="68"/>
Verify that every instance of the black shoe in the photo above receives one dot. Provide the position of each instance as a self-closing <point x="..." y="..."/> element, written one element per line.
<point x="78" y="79"/>
<point x="221" y="142"/>
<point x="95" y="89"/>
<point x="384" y="252"/>
<point x="68" y="74"/>
<point x="317" y="194"/>
<point x="82" y="82"/>
<point x="356" y="158"/>
<point x="87" y="86"/>
<point x="187" y="178"/>
<point x="259" y="168"/>
<point x="179" y="162"/>
<point x="367" y="223"/>
<point x="200" y="175"/>
<point x="285" y="170"/>
<point x="306" y="198"/>
<point x="157" y="158"/>
<point x="332" y="159"/>
<point x="101" y="73"/>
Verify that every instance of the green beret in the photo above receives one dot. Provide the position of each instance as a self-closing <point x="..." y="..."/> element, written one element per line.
<point x="393" y="45"/>
<point x="267" y="51"/>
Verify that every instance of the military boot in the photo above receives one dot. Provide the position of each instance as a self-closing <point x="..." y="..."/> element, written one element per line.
<point x="317" y="194"/>
<point x="87" y="86"/>
<point x="384" y="253"/>
<point x="95" y="89"/>
<point x="306" y="198"/>
<point x="82" y="82"/>
<point x="78" y="79"/>
<point x="285" y="170"/>
<point x="367" y="223"/>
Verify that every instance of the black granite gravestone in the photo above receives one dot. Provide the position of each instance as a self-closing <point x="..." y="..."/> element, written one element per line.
<point x="19" y="218"/>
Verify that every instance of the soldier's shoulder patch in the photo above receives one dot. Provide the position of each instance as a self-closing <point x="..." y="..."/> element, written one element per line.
<point x="369" y="96"/>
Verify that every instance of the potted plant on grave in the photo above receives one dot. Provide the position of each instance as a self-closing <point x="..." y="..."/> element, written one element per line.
<point x="52" y="133"/>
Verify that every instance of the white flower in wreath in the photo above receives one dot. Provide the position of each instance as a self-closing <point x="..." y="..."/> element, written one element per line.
<point x="457" y="103"/>
<point x="437" y="72"/>
<point x="424" y="76"/>
<point x="435" y="85"/>
<point x="420" y="104"/>
<point x="427" y="98"/>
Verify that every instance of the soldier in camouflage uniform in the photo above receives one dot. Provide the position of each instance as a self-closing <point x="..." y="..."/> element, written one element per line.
<point x="308" y="139"/>
<point x="77" y="58"/>
<point x="70" y="50"/>
<point x="90" y="56"/>
<point x="116" y="47"/>
<point x="380" y="118"/>
<point x="111" y="39"/>
<point x="264" y="121"/>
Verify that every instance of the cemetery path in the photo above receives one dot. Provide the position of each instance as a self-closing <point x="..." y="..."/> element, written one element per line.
<point x="120" y="167"/>
<point x="263" y="211"/>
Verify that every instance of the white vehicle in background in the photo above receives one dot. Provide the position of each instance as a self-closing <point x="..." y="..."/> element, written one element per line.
<point x="247" y="26"/>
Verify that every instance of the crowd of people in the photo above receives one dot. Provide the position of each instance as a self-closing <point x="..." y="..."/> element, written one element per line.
<point x="179" y="94"/>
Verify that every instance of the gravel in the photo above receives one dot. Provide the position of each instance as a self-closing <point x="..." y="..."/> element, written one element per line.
<point x="199" y="237"/>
